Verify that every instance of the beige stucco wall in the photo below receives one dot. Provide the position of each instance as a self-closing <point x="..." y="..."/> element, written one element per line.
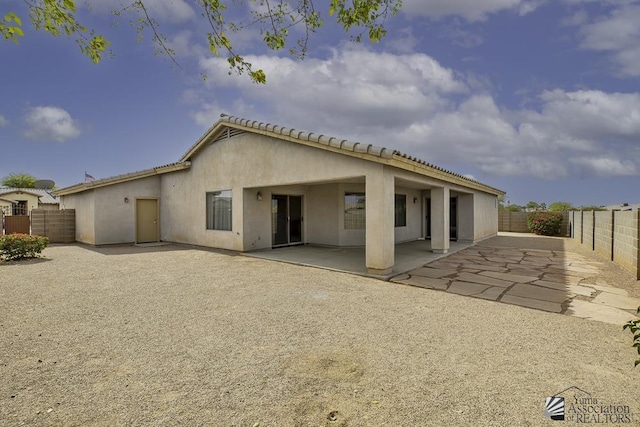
<point x="32" y="200"/>
<point x="102" y="215"/>
<point x="83" y="203"/>
<point x="485" y="216"/>
<point x="324" y="205"/>
<point x="348" y="236"/>
<point x="257" y="226"/>
<point x="248" y="161"/>
<point x="115" y="219"/>
<point x="5" y="207"/>
<point x="466" y="218"/>
<point x="413" y="229"/>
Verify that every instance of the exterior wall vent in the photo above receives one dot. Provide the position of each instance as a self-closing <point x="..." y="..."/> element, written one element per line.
<point x="228" y="133"/>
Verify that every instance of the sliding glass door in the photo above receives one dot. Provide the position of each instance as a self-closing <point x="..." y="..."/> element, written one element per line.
<point x="286" y="219"/>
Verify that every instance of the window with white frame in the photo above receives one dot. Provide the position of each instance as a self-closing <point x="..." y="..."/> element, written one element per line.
<point x="401" y="210"/>
<point x="355" y="214"/>
<point x="219" y="210"/>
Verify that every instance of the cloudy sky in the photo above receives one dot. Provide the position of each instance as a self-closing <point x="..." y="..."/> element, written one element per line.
<point x="540" y="98"/>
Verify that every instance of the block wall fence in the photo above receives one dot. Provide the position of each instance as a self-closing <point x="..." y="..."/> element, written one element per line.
<point x="58" y="226"/>
<point x="516" y="222"/>
<point x="613" y="234"/>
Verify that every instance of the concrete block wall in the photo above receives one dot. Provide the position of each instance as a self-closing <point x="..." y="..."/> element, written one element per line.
<point x="615" y="235"/>
<point x="603" y="236"/>
<point x="516" y="222"/>
<point x="587" y="228"/>
<point x="576" y="232"/>
<point x="58" y="226"/>
<point x="626" y="250"/>
<point x="504" y="223"/>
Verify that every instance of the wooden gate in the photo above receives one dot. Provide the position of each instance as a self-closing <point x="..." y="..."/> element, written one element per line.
<point x="16" y="224"/>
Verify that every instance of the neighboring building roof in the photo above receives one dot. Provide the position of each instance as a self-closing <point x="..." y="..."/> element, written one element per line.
<point x="44" y="196"/>
<point x="229" y="126"/>
<point x="172" y="167"/>
<point x="624" y="207"/>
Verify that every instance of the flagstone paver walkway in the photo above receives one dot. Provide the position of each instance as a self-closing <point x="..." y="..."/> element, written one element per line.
<point x="549" y="280"/>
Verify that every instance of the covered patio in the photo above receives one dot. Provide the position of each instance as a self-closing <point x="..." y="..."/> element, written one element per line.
<point x="408" y="256"/>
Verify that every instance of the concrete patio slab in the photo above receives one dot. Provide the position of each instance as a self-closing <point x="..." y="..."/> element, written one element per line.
<point x="585" y="290"/>
<point x="466" y="288"/>
<point x="618" y="301"/>
<point x="490" y="281"/>
<point x="609" y="289"/>
<point x="538" y="293"/>
<point x="562" y="278"/>
<point x="599" y="312"/>
<point x="432" y="272"/>
<point x="492" y="293"/>
<point x="426" y="282"/>
<point x="510" y="277"/>
<point x="553" y="281"/>
<point x="408" y="256"/>
<point x="532" y="303"/>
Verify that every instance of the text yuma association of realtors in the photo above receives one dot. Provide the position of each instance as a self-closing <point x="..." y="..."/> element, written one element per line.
<point x="588" y="410"/>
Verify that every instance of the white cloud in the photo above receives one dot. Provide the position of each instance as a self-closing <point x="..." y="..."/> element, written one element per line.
<point x="353" y="85"/>
<point x="174" y="11"/>
<point x="577" y="18"/>
<point x="471" y="10"/>
<point x="183" y="45"/>
<point x="606" y="166"/>
<point x="412" y="103"/>
<point x="3" y="121"/>
<point x="617" y="33"/>
<point x="406" y="42"/>
<point x="47" y="123"/>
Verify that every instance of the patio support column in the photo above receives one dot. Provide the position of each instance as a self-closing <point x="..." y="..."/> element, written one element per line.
<point x="380" y="231"/>
<point x="440" y="220"/>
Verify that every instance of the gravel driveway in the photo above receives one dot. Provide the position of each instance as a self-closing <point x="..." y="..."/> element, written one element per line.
<point x="174" y="335"/>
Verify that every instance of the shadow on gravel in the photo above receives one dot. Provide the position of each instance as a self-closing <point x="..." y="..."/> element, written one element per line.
<point x="132" y="249"/>
<point x="26" y="261"/>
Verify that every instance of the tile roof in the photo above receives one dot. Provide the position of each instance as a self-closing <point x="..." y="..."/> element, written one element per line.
<point x="384" y="154"/>
<point x="46" y="198"/>
<point x="83" y="186"/>
<point x="343" y="144"/>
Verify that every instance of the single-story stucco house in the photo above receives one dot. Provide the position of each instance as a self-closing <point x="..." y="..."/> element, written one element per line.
<point x="247" y="185"/>
<point x="20" y="201"/>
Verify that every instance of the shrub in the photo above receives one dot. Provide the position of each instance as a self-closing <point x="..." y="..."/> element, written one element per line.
<point x="17" y="246"/>
<point x="634" y="327"/>
<point x="545" y="223"/>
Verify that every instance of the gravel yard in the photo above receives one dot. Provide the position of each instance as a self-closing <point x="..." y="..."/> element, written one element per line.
<point x="174" y="335"/>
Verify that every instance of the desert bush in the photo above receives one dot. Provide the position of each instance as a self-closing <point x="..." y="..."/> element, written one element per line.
<point x="545" y="223"/>
<point x="17" y="246"/>
<point x="634" y="327"/>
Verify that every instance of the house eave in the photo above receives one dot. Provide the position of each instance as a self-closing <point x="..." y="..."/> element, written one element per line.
<point x="86" y="186"/>
<point x="353" y="149"/>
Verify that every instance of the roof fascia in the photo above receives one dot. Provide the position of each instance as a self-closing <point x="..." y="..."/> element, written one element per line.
<point x="78" y="188"/>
